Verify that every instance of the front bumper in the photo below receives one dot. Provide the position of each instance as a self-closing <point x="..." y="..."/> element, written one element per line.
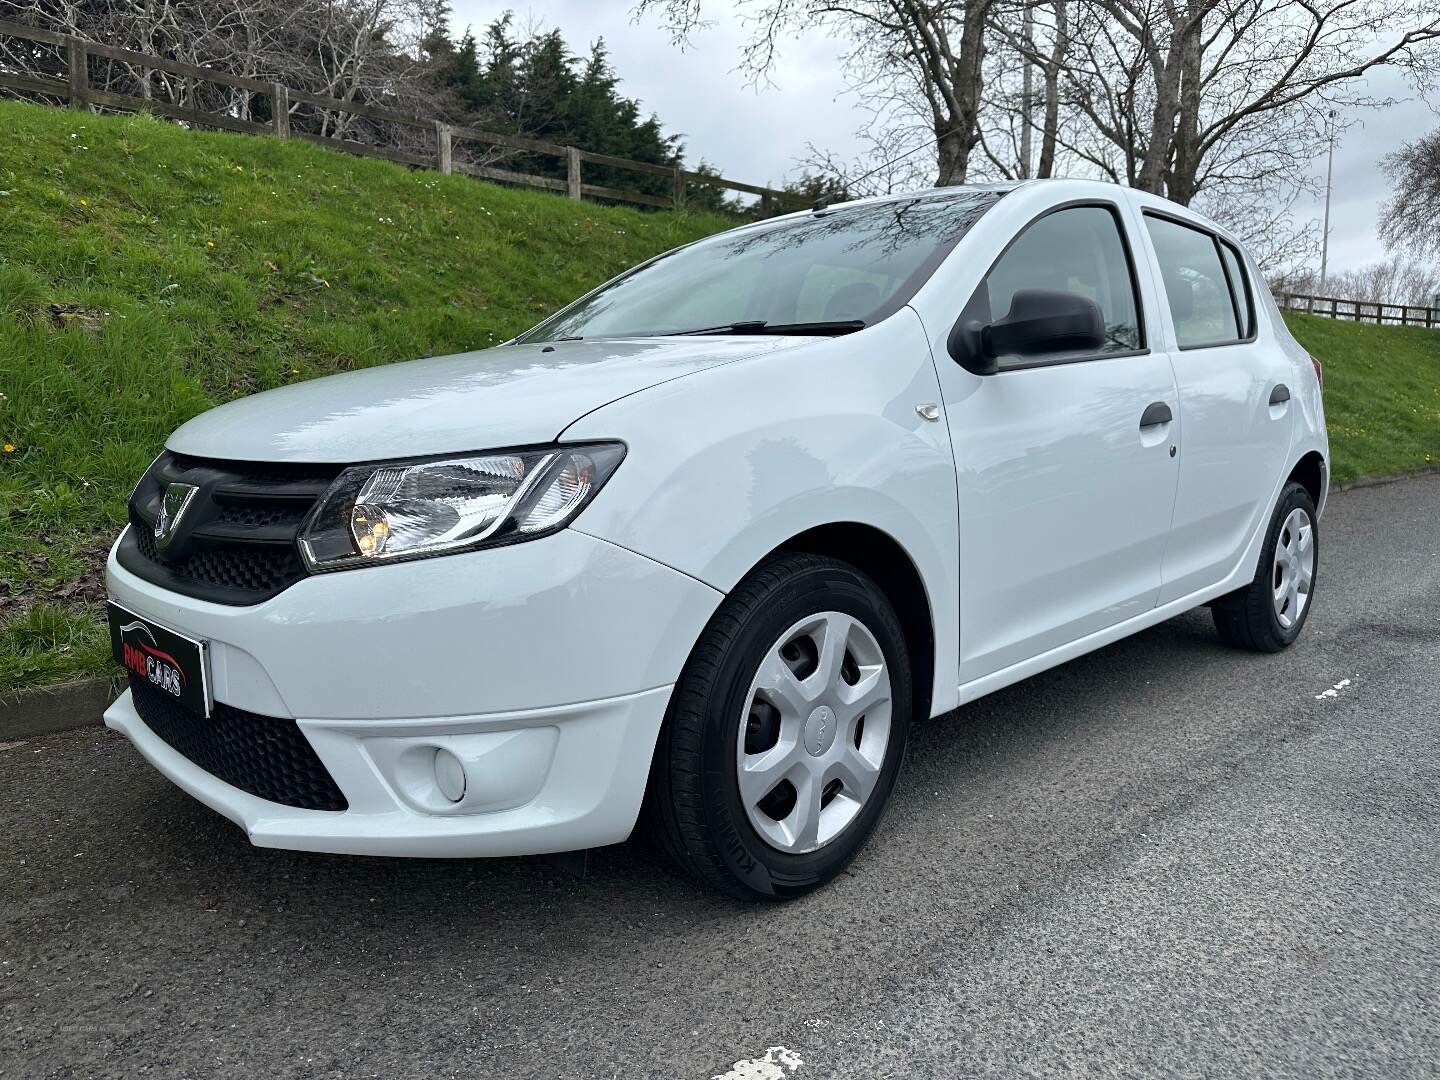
<point x="544" y="669"/>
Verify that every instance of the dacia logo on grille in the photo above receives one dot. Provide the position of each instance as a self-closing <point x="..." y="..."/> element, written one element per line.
<point x="172" y="509"/>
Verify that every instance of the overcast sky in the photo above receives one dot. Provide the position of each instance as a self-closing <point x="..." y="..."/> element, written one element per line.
<point x="756" y="135"/>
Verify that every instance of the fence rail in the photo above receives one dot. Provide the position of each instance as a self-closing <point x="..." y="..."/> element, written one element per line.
<point x="1333" y="307"/>
<point x="75" y="89"/>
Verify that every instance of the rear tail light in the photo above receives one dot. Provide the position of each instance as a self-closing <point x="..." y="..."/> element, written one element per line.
<point x="1319" y="372"/>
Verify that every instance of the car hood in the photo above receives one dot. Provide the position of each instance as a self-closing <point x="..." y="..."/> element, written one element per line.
<point x="512" y="395"/>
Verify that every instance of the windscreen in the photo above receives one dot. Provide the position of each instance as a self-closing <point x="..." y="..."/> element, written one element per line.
<point x="854" y="264"/>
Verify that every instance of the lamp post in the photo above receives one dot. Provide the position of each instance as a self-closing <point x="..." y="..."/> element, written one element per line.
<point x="1329" y="176"/>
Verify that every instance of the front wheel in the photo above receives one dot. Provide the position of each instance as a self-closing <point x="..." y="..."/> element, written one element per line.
<point x="1269" y="613"/>
<point x="786" y="731"/>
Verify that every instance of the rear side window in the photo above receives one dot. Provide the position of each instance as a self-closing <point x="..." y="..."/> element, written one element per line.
<point x="1078" y="249"/>
<point x="1203" y="303"/>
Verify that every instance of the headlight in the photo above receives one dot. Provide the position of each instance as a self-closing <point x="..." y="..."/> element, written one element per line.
<point x="409" y="509"/>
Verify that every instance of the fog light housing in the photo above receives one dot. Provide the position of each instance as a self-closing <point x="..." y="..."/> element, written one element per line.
<point x="465" y="772"/>
<point x="449" y="775"/>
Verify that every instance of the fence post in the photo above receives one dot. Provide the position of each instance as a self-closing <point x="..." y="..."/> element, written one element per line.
<point x="679" y="195"/>
<point x="444" y="152"/>
<point x="572" y="172"/>
<point x="280" y="109"/>
<point x="765" y="205"/>
<point x="77" y="60"/>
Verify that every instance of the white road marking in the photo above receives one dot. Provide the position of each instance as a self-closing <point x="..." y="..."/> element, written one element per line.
<point x="777" y="1063"/>
<point x="1334" y="691"/>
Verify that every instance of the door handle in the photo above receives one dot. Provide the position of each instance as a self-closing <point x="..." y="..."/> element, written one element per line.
<point x="1155" y="414"/>
<point x="1280" y="394"/>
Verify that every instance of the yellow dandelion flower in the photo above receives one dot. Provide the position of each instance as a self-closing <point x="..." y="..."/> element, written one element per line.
<point x="9" y="448"/>
<point x="209" y="243"/>
<point x="84" y="203"/>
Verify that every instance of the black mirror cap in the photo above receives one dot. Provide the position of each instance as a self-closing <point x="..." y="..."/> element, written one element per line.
<point x="1041" y="322"/>
<point x="967" y="347"/>
<point x="1044" y="322"/>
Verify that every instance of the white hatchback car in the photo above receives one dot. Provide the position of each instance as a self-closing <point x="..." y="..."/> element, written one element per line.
<point x="702" y="545"/>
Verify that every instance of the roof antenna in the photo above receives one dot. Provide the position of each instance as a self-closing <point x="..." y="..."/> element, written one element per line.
<point x="823" y="203"/>
<point x="902" y="157"/>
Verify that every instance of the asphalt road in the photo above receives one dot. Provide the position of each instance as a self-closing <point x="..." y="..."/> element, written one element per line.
<point x="1164" y="859"/>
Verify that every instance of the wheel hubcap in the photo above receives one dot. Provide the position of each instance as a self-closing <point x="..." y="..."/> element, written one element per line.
<point x="814" y="732"/>
<point x="1294" y="569"/>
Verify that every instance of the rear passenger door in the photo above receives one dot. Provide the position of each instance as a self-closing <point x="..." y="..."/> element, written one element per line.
<point x="1236" y="422"/>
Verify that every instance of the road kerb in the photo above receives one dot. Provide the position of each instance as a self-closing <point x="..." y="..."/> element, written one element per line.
<point x="43" y="710"/>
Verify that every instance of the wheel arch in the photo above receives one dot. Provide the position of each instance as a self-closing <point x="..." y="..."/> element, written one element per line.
<point x="884" y="560"/>
<point x="1312" y="473"/>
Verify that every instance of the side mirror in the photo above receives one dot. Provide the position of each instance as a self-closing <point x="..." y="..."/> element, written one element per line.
<point x="1041" y="322"/>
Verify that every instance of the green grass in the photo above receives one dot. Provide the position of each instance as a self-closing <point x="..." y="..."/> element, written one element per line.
<point x="1382" y="394"/>
<point x="148" y="273"/>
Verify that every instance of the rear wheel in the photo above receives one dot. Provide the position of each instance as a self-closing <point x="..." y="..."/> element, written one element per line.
<point x="1269" y="613"/>
<point x="786" y="731"/>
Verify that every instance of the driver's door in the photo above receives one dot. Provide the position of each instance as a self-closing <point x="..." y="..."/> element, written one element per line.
<point x="1065" y="463"/>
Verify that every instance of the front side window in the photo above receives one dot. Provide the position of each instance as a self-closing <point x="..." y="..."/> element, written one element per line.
<point x="847" y="267"/>
<point x="1203" y="305"/>
<point x="1076" y="250"/>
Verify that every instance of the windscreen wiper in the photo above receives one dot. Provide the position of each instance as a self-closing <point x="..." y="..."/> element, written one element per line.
<point x="760" y="326"/>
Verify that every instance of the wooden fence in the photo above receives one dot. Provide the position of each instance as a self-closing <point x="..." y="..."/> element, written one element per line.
<point x="1361" y="310"/>
<point x="440" y="138"/>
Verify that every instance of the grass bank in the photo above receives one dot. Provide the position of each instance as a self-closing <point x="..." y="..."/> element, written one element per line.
<point x="148" y="273"/>
<point x="1382" y="394"/>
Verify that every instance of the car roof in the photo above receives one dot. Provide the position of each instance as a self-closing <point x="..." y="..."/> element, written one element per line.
<point x="1081" y="187"/>
<point x="930" y="193"/>
<point x="896" y="197"/>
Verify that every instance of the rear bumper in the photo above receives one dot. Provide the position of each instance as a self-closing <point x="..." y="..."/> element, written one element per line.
<point x="540" y="780"/>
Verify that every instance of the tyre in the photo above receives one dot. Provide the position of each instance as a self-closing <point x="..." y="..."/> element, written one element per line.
<point x="1269" y="613"/>
<point x="785" y="733"/>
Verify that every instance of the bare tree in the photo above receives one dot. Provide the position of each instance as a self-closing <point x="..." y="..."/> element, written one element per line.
<point x="1410" y="219"/>
<point x="1010" y="120"/>
<point x="353" y="50"/>
<point x="906" y="54"/>
<point x="1185" y="94"/>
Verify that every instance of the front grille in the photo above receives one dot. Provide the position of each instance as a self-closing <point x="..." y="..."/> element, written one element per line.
<point x="236" y="541"/>
<point x="244" y="574"/>
<point x="267" y="756"/>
